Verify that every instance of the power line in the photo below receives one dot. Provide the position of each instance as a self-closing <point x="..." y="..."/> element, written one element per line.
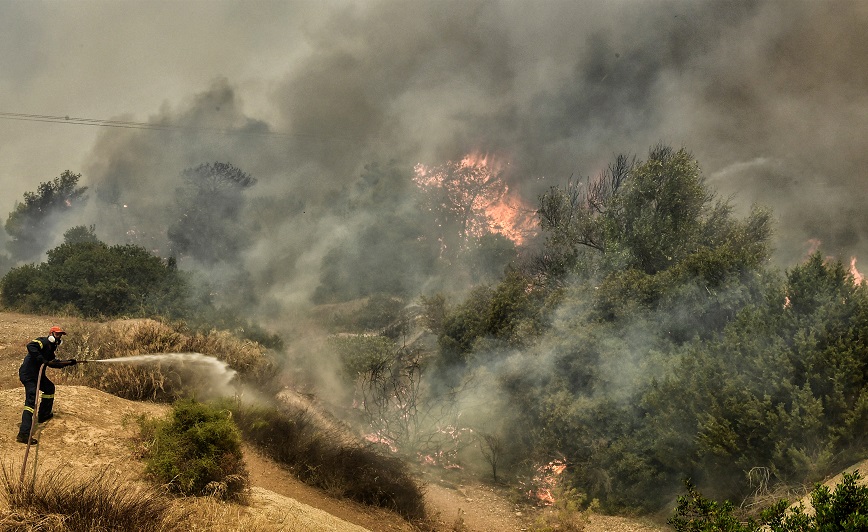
<point x="83" y="121"/>
<point x="159" y="127"/>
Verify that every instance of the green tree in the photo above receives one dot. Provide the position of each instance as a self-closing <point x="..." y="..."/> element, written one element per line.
<point x="782" y="386"/>
<point x="640" y="273"/>
<point x="657" y="216"/>
<point x="512" y="313"/>
<point x="98" y="280"/>
<point x="209" y="227"/>
<point x="578" y="216"/>
<point x="463" y="325"/>
<point x="649" y="216"/>
<point x="80" y="233"/>
<point x="32" y="222"/>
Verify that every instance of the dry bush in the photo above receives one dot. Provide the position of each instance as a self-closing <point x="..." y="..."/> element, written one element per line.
<point x="326" y="457"/>
<point x="246" y="357"/>
<point x="60" y="500"/>
<point x="161" y="381"/>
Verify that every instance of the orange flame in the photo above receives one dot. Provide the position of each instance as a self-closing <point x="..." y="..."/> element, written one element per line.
<point x="546" y="480"/>
<point x="511" y="217"/>
<point x="376" y="438"/>
<point x="504" y="212"/>
<point x="478" y="160"/>
<point x="857" y="276"/>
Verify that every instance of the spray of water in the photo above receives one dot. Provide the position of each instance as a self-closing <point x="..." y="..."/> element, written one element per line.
<point x="217" y="371"/>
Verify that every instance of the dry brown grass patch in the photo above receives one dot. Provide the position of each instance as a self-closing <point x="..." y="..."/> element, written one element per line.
<point x="60" y="500"/>
<point x="161" y="381"/>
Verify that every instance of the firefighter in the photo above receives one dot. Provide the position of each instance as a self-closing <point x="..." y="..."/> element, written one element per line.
<point x="39" y="351"/>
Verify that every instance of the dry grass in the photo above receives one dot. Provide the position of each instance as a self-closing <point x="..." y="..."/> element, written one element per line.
<point x="59" y="500"/>
<point x="211" y="515"/>
<point x="161" y="382"/>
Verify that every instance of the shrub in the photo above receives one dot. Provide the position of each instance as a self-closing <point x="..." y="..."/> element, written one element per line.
<point x="326" y="457"/>
<point x="197" y="451"/>
<point x="696" y="513"/>
<point x="565" y="514"/>
<point x="61" y="500"/>
<point x="845" y="509"/>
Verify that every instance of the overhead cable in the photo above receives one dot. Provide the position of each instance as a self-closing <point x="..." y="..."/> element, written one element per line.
<point x="157" y="126"/>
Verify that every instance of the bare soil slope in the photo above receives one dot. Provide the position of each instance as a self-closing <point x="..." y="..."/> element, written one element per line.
<point x="833" y="481"/>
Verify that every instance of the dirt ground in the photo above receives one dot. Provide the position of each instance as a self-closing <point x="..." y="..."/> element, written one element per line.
<point x="93" y="430"/>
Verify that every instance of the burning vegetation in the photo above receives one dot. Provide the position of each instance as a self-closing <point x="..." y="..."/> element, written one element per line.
<point x="619" y="344"/>
<point x="471" y="199"/>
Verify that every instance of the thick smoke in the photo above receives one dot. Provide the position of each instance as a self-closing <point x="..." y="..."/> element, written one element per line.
<point x="767" y="95"/>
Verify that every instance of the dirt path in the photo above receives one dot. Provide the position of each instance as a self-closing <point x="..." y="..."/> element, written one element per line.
<point x="475" y="507"/>
<point x="480" y="508"/>
<point x="270" y="476"/>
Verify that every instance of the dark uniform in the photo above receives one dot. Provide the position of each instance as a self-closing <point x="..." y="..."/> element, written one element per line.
<point x="40" y="351"/>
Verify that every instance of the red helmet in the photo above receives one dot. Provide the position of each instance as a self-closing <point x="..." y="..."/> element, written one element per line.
<point x="55" y="331"/>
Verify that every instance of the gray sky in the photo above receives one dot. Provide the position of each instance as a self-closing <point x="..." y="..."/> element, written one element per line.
<point x="768" y="95"/>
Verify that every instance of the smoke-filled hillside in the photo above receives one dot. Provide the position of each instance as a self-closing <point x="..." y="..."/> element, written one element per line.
<point x="583" y="209"/>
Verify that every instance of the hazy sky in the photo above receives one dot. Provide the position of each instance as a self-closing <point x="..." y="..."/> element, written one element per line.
<point x="770" y="96"/>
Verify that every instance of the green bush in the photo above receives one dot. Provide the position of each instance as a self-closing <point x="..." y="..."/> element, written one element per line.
<point x="845" y="509"/>
<point x="196" y="451"/>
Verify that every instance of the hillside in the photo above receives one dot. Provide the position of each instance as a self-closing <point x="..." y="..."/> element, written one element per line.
<point x="93" y="431"/>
